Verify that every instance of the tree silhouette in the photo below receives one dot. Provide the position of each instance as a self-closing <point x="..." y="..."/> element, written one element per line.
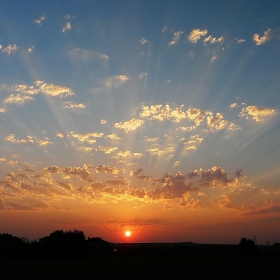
<point x="247" y="245"/>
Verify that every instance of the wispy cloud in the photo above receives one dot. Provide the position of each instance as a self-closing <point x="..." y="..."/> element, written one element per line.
<point x="10" y="49"/>
<point x="39" y="20"/>
<point x="74" y="105"/>
<point x="66" y="27"/>
<point x="130" y="125"/>
<point x="86" y="55"/>
<point x="176" y="37"/>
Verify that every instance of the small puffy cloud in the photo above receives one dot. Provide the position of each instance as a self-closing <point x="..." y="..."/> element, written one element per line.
<point x="164" y="29"/>
<point x="44" y="142"/>
<point x="155" y="151"/>
<point x="53" y="90"/>
<point x="130" y="125"/>
<point x="143" y="41"/>
<point x="67" y="27"/>
<point x="30" y="49"/>
<point x="11" y="138"/>
<point x="103" y="121"/>
<point x="108" y="169"/>
<point x="233" y="105"/>
<point x="74" y="105"/>
<point x="213" y="58"/>
<point x="176" y="37"/>
<point x="85" y="55"/>
<point x="116" y="80"/>
<point x="61" y="135"/>
<point x="143" y="76"/>
<point x="2" y="110"/>
<point x="107" y="150"/>
<point x="268" y="35"/>
<point x="176" y="164"/>
<point x="256" y="113"/>
<point x="87" y="137"/>
<point x="10" y="49"/>
<point x="114" y="136"/>
<point x="196" y="34"/>
<point x="213" y="40"/>
<point x="39" y="20"/>
<point x="17" y="98"/>
<point x="239" y="40"/>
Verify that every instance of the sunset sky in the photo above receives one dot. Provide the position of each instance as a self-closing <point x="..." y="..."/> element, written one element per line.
<point x="160" y="117"/>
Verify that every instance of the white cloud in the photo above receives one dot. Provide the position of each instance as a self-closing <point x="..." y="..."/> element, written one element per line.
<point x="116" y="80"/>
<point x="213" y="40"/>
<point x="213" y="58"/>
<point x="164" y="29"/>
<point x="85" y="55"/>
<point x="196" y="34"/>
<point x="268" y="35"/>
<point x="74" y="105"/>
<point x="30" y="49"/>
<point x="39" y="20"/>
<point x="10" y="48"/>
<point x="67" y="27"/>
<point x="176" y="37"/>
<point x="239" y="40"/>
<point x="103" y="121"/>
<point x="143" y="41"/>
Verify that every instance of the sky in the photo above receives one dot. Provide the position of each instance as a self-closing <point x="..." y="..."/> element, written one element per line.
<point x="158" y="117"/>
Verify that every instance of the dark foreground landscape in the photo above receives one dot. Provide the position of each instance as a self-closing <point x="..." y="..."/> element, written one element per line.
<point x="68" y="255"/>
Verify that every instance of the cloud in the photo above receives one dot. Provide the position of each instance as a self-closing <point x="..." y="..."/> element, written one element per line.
<point x="196" y="34"/>
<point x="130" y="125"/>
<point x="17" y="98"/>
<point x="2" y="110"/>
<point x="213" y="58"/>
<point x="143" y="76"/>
<point x="67" y="27"/>
<point x="233" y="105"/>
<point x="30" y="49"/>
<point x="53" y="90"/>
<point x="10" y="49"/>
<point x="143" y="41"/>
<point x="107" y="150"/>
<point x="268" y="35"/>
<point x="213" y="40"/>
<point x="103" y="121"/>
<point x="117" y="80"/>
<point x="164" y="29"/>
<point x="85" y="55"/>
<point x="39" y="20"/>
<point x="61" y="135"/>
<point x="74" y="105"/>
<point x="11" y="138"/>
<point x="239" y="40"/>
<point x="256" y="113"/>
<point x="113" y="136"/>
<point x="176" y="37"/>
<point x="108" y="169"/>
<point x="87" y="137"/>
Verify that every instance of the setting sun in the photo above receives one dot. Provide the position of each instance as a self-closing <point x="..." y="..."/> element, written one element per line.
<point x="127" y="233"/>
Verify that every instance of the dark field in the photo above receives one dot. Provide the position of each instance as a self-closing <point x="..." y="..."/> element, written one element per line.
<point x="145" y="266"/>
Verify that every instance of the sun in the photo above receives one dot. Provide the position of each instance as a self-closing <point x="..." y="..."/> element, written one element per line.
<point x="127" y="233"/>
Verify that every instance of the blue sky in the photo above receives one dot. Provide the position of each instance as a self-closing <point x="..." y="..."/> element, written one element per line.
<point x="152" y="114"/>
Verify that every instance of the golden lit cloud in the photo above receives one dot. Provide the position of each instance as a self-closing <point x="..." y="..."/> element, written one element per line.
<point x="256" y="113"/>
<point x="176" y="37"/>
<point x="196" y="34"/>
<point x="213" y="40"/>
<point x="130" y="125"/>
<point x="74" y="105"/>
<point x="67" y="27"/>
<point x="17" y="98"/>
<point x="10" y="49"/>
<point x="268" y="35"/>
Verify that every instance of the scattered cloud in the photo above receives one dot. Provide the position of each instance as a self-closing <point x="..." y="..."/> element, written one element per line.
<point x="239" y="40"/>
<point x="176" y="37"/>
<point x="89" y="138"/>
<point x="196" y="34"/>
<point x="256" y="113"/>
<point x="164" y="29"/>
<point x="66" y="27"/>
<point x="74" y="105"/>
<point x="30" y="49"/>
<point x="39" y="20"/>
<point x="233" y="105"/>
<point x="117" y="80"/>
<point x="143" y="41"/>
<point x="268" y="35"/>
<point x="10" y="49"/>
<point x="11" y="138"/>
<point x="130" y="125"/>
<point x="17" y="98"/>
<point x="86" y="55"/>
<point x="103" y="121"/>
<point x="213" y="40"/>
<point x="2" y="110"/>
